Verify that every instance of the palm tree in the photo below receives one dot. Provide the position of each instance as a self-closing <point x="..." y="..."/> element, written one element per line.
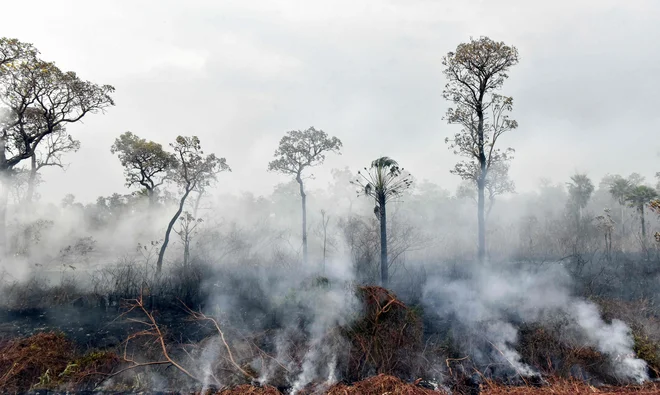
<point x="638" y="197"/>
<point x="383" y="181"/>
<point x="579" y="191"/>
<point x="619" y="189"/>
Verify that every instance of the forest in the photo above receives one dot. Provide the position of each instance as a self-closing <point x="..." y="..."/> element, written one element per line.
<point x="379" y="282"/>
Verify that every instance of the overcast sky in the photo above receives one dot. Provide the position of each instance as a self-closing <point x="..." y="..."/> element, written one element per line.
<point x="240" y="73"/>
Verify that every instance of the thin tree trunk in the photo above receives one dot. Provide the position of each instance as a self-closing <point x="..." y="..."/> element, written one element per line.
<point x="481" y="184"/>
<point x="186" y="251"/>
<point x="641" y="214"/>
<point x="482" y="222"/>
<point x="384" y="276"/>
<point x="166" y="241"/>
<point x="4" y="195"/>
<point x="31" y="179"/>
<point x="151" y="194"/>
<point x="325" y="239"/>
<point x="199" y="199"/>
<point x="303" y="197"/>
<point x="4" y="200"/>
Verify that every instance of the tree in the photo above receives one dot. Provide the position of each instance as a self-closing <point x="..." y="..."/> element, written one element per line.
<point x="297" y="151"/>
<point x="145" y="163"/>
<point x="619" y="188"/>
<point x="55" y="145"/>
<point x="605" y="224"/>
<point x="383" y="181"/>
<point x="497" y="183"/>
<point x="192" y="172"/>
<point x="579" y="192"/>
<point x="638" y="197"/>
<point x="186" y="233"/>
<point x="655" y="207"/>
<point x="37" y="100"/>
<point x="474" y="72"/>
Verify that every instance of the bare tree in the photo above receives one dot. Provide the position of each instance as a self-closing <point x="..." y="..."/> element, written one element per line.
<point x="37" y="100"/>
<point x="55" y="145"/>
<point x="186" y="232"/>
<point x="297" y="151"/>
<point x="383" y="181"/>
<point x="475" y="70"/>
<point x="193" y="171"/>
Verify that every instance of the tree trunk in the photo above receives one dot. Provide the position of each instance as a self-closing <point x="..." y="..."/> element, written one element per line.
<point x="325" y="239"/>
<point x="641" y="214"/>
<point x="4" y="195"/>
<point x="151" y="194"/>
<point x="197" y="201"/>
<point x="186" y="251"/>
<point x="384" y="276"/>
<point x="481" y="184"/>
<point x="481" y="254"/>
<point x="4" y="200"/>
<point x="166" y="241"/>
<point x="304" y="218"/>
<point x="29" y="195"/>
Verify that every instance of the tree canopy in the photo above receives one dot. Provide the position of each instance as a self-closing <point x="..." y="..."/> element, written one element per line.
<point x="145" y="163"/>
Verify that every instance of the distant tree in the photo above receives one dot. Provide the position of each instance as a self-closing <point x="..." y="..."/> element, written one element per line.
<point x="579" y="192"/>
<point x="383" y="181"/>
<point x="37" y="99"/>
<point x="145" y="163"/>
<point x="497" y="183"/>
<point x="606" y="225"/>
<point x="638" y="197"/>
<point x="55" y="145"/>
<point x="186" y="232"/>
<point x="193" y="171"/>
<point x="475" y="71"/>
<point x="619" y="188"/>
<point x="655" y="207"/>
<point x="657" y="186"/>
<point x="636" y="179"/>
<point x="297" y="151"/>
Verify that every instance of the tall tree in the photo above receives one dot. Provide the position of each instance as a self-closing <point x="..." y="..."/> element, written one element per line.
<point x="383" y="181"/>
<point x="37" y="99"/>
<point x="145" y="163"/>
<point x="638" y="197"/>
<point x="297" y="151"/>
<point x="193" y="171"/>
<point x="619" y="188"/>
<point x="474" y="72"/>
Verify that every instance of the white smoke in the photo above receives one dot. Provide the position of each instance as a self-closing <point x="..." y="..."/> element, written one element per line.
<point x="490" y="298"/>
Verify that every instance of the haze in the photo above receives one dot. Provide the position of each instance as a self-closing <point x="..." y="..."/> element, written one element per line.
<point x="239" y="74"/>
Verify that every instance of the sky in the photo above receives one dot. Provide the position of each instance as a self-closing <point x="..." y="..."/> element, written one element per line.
<point x="239" y="74"/>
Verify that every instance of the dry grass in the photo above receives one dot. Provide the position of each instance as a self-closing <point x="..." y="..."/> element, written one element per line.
<point x="379" y="385"/>
<point x="49" y="361"/>
<point x="250" y="390"/>
<point x="33" y="361"/>
<point x="569" y="387"/>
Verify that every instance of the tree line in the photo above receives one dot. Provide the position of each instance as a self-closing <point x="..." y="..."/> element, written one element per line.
<point x="39" y="101"/>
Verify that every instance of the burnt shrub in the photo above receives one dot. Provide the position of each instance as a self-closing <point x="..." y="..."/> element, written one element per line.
<point x="386" y="339"/>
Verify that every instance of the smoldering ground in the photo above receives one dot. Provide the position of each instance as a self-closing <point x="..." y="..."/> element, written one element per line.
<point x="280" y="318"/>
